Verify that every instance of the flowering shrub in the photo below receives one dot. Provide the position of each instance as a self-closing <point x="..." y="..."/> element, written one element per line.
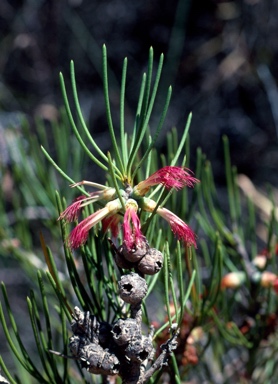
<point x="124" y="267"/>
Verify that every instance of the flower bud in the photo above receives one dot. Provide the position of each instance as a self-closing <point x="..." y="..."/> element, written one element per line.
<point x="132" y="288"/>
<point x="260" y="261"/>
<point x="233" y="280"/>
<point x="267" y="279"/>
<point x="151" y="263"/>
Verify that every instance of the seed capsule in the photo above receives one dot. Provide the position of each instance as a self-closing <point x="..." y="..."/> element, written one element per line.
<point x="151" y="263"/>
<point x="132" y="288"/>
<point x="137" y="252"/>
<point x="139" y="349"/>
<point x="121" y="261"/>
<point x="98" y="360"/>
<point x="124" y="330"/>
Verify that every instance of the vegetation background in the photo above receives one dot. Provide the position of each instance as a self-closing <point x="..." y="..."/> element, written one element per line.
<point x="221" y="58"/>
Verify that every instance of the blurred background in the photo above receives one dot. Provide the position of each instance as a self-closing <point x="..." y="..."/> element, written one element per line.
<point x="220" y="57"/>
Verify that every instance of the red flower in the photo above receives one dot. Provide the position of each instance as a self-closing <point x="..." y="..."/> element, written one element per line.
<point x="169" y="177"/>
<point x="133" y="237"/>
<point x="134" y="244"/>
<point x="80" y="233"/>
<point x="180" y="229"/>
<point x="111" y="222"/>
<point x="72" y="211"/>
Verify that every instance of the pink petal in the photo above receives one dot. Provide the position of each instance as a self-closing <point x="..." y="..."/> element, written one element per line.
<point x="169" y="177"/>
<point x="112" y="223"/>
<point x="132" y="230"/>
<point x="80" y="233"/>
<point x="127" y="230"/>
<point x="183" y="232"/>
<point x="180" y="229"/>
<point x="72" y="211"/>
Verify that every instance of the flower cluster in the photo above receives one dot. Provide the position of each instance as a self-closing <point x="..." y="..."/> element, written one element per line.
<point x="134" y="242"/>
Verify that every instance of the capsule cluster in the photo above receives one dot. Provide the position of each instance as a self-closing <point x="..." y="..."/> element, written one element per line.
<point x="91" y="344"/>
<point x="127" y="333"/>
<point x="119" y="348"/>
<point x="146" y="260"/>
<point x="134" y="346"/>
<point x="105" y="349"/>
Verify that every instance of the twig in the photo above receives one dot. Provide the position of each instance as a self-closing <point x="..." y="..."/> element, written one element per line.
<point x="167" y="349"/>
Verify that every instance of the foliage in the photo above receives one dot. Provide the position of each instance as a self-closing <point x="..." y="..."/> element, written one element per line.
<point x="224" y="302"/>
